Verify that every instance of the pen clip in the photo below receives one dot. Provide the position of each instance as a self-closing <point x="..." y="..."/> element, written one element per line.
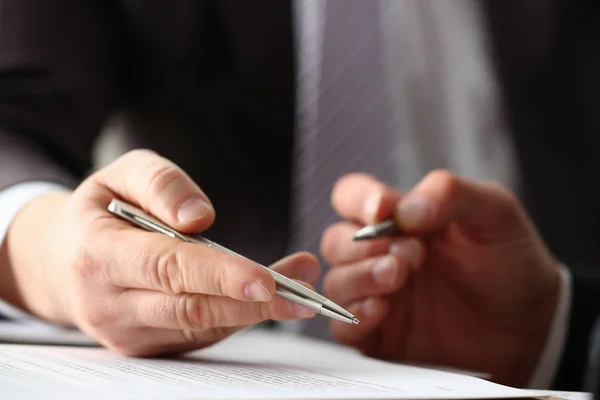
<point x="142" y="219"/>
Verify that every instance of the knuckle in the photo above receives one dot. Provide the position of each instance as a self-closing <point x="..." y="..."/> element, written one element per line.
<point x="264" y="311"/>
<point x="443" y="176"/>
<point x="210" y="314"/>
<point x="136" y="157"/>
<point x="448" y="182"/>
<point x="167" y="274"/>
<point x="189" y="312"/>
<point x="221" y="281"/>
<point x="161" y="173"/>
<point x="501" y="191"/>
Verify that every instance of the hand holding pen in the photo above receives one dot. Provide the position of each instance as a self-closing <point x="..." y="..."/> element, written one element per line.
<point x="459" y="284"/>
<point x="139" y="292"/>
<point x="286" y="288"/>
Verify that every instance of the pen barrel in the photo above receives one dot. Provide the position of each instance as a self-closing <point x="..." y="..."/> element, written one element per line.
<point x="290" y="285"/>
<point x="327" y="309"/>
<point x="308" y="303"/>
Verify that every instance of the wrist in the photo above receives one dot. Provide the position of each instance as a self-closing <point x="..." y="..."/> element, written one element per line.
<point x="31" y="251"/>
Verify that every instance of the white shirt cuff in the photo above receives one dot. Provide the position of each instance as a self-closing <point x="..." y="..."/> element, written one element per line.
<point x="548" y="364"/>
<point x="12" y="200"/>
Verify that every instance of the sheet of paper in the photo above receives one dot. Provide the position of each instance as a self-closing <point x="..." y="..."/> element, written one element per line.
<point x="250" y="365"/>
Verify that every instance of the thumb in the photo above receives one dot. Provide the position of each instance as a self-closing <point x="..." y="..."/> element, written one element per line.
<point x="485" y="210"/>
<point x="161" y="188"/>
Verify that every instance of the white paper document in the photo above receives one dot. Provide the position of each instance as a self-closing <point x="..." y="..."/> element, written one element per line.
<point x="253" y="364"/>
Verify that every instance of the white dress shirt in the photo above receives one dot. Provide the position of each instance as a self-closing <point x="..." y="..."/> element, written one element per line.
<point x="437" y="60"/>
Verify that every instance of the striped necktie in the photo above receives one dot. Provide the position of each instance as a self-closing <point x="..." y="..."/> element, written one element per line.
<point x="352" y="123"/>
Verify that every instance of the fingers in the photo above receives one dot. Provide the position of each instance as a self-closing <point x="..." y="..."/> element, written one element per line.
<point x="152" y="261"/>
<point x="184" y="321"/>
<point x="361" y="198"/>
<point x="160" y="187"/>
<point x="382" y="275"/>
<point x="188" y="311"/>
<point x="196" y="312"/>
<point x="371" y="312"/>
<point x="486" y="209"/>
<point x="379" y="275"/>
<point x="441" y="198"/>
<point x="337" y="246"/>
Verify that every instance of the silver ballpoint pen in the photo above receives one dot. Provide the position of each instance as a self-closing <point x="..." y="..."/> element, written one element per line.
<point x="387" y="227"/>
<point x="285" y="287"/>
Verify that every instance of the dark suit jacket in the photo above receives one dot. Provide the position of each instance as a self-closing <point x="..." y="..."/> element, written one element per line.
<point x="210" y="84"/>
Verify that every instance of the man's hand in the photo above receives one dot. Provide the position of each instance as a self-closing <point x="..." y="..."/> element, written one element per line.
<point x="470" y="284"/>
<point x="139" y="292"/>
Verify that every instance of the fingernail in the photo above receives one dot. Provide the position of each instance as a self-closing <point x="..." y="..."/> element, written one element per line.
<point x="299" y="311"/>
<point x="256" y="291"/>
<point x="192" y="209"/>
<point x="414" y="211"/>
<point x="371" y="206"/>
<point x="406" y="250"/>
<point x="384" y="271"/>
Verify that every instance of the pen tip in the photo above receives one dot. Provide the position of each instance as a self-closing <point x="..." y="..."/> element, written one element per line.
<point x="355" y="321"/>
<point x="364" y="233"/>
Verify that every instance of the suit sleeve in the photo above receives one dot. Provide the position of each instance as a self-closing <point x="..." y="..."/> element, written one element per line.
<point x="584" y="314"/>
<point x="58" y="83"/>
